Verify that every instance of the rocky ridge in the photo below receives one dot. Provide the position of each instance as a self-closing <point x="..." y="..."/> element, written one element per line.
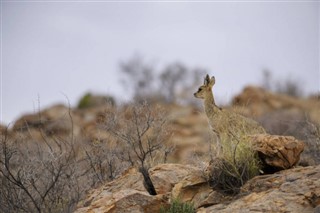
<point x="291" y="190"/>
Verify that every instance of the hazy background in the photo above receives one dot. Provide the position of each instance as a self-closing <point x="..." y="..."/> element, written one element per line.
<point x="55" y="49"/>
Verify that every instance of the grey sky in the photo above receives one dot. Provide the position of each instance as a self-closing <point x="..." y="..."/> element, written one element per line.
<point x="52" y="49"/>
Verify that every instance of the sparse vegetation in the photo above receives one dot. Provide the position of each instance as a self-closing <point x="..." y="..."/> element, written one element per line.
<point x="142" y="135"/>
<point x="288" y="86"/>
<point x="39" y="177"/>
<point x="177" y="206"/>
<point x="103" y="162"/>
<point x="234" y="166"/>
<point x="138" y="78"/>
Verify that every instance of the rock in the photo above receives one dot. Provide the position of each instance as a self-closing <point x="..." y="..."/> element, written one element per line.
<point x="126" y="201"/>
<point x="54" y="118"/>
<point x="106" y="197"/>
<point x="166" y="176"/>
<point x="190" y="134"/>
<point x="195" y="188"/>
<point x="277" y="152"/>
<point x="127" y="193"/>
<point x="27" y="121"/>
<point x="293" y="122"/>
<point x="295" y="190"/>
<point x="260" y="101"/>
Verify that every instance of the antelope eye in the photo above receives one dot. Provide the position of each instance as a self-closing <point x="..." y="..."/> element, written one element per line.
<point x="199" y="89"/>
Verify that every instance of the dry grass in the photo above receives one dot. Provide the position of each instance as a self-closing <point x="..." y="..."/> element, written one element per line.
<point x="235" y="162"/>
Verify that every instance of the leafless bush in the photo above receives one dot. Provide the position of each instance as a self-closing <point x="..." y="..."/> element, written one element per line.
<point x="38" y="177"/>
<point x="172" y="84"/>
<point x="173" y="76"/>
<point x="141" y="132"/>
<point x="104" y="162"/>
<point x="53" y="173"/>
<point x="138" y="75"/>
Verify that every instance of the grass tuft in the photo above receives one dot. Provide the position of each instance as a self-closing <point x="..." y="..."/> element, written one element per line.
<point x="234" y="166"/>
<point x="177" y="206"/>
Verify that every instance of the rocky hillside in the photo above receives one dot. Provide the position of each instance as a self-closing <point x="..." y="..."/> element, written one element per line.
<point x="294" y="190"/>
<point x="108" y="185"/>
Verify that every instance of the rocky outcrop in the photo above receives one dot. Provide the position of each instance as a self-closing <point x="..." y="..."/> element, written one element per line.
<point x="295" y="190"/>
<point x="54" y="120"/>
<point x="259" y="101"/>
<point x="127" y="193"/>
<point x="256" y="101"/>
<point x="277" y="152"/>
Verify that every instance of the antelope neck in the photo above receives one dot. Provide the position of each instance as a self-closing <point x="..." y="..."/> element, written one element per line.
<point x="210" y="105"/>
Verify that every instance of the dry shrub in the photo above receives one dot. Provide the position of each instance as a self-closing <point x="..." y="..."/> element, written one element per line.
<point x="39" y="177"/>
<point x="103" y="162"/>
<point x="54" y="173"/>
<point x="233" y="166"/>
<point x="140" y="130"/>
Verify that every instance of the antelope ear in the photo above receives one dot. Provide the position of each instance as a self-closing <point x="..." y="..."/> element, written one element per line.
<point x="212" y="81"/>
<point x="206" y="80"/>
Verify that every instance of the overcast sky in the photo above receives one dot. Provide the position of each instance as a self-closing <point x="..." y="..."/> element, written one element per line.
<point x="53" y="49"/>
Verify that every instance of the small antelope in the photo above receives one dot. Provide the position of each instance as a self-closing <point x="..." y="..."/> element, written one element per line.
<point x="224" y="123"/>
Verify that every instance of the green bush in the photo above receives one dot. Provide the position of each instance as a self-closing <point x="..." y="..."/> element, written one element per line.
<point x="84" y="101"/>
<point x="90" y="100"/>
<point x="177" y="206"/>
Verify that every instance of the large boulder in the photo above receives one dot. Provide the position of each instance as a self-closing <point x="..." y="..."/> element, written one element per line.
<point x="277" y="152"/>
<point x="295" y="123"/>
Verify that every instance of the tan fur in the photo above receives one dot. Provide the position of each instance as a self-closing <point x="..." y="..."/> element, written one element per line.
<point x="224" y="123"/>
